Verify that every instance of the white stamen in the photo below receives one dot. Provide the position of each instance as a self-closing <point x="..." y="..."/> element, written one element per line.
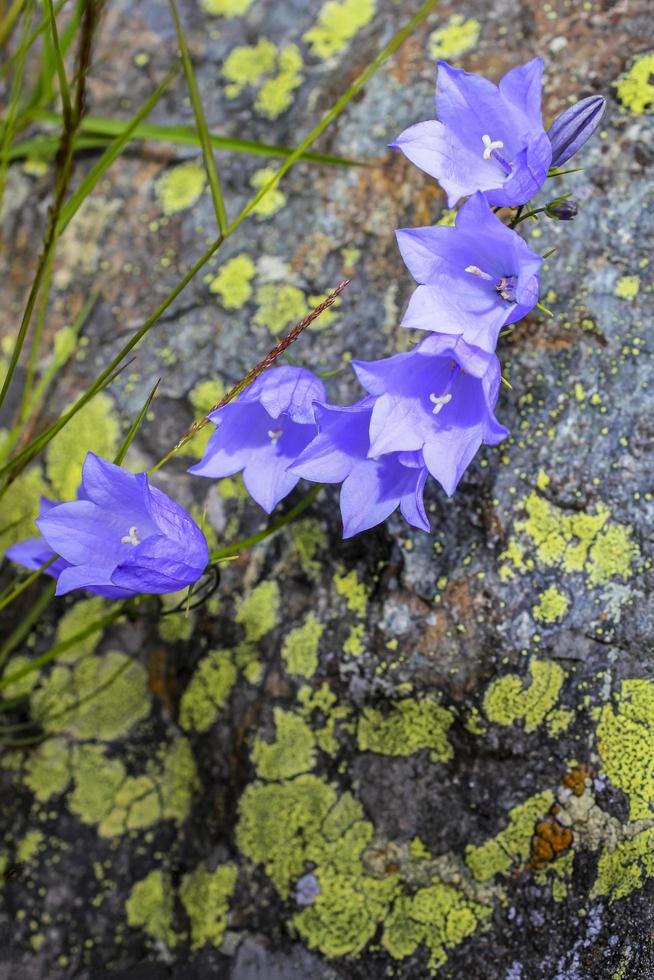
<point x="439" y="401"/>
<point x="274" y="434"/>
<point x="474" y="269"/>
<point x="490" y="145"/>
<point x="131" y="538"/>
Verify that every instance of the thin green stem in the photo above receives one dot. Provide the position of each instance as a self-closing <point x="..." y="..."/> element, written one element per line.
<point x="64" y="90"/>
<point x="34" y="36"/>
<point x="20" y="588"/>
<point x="28" y="386"/>
<point x="235" y="549"/>
<point x="9" y="20"/>
<point x="129" y="438"/>
<point x="201" y="123"/>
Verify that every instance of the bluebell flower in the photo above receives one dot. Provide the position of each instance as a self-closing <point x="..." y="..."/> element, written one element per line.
<point x="474" y="278"/>
<point x="263" y="432"/>
<point x="486" y="137"/>
<point x="120" y="537"/>
<point x="371" y="488"/>
<point x="574" y="127"/>
<point x="34" y="553"/>
<point x="438" y="399"/>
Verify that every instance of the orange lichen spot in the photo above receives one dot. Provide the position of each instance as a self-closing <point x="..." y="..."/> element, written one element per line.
<point x="549" y="841"/>
<point x="576" y="780"/>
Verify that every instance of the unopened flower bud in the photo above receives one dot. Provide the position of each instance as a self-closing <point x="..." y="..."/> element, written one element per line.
<point x="562" y="210"/>
<point x="573" y="127"/>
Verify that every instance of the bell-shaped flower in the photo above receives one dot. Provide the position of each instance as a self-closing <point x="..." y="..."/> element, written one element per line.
<point x="474" y="278"/>
<point x="574" y="127"/>
<point x="122" y="536"/>
<point x="438" y="398"/>
<point x="263" y="432"/>
<point x="486" y="137"/>
<point x="371" y="488"/>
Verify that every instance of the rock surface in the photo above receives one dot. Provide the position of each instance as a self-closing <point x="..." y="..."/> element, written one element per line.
<point x="402" y="755"/>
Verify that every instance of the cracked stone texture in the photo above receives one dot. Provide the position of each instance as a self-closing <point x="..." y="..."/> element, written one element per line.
<point x="504" y="657"/>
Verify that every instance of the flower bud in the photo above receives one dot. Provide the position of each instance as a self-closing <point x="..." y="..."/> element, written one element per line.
<point x="562" y="210"/>
<point x="573" y="127"/>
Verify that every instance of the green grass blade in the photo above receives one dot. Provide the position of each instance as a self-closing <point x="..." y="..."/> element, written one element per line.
<point x="201" y="123"/>
<point x="129" y="438"/>
<point x="11" y="116"/>
<point x="115" y="148"/>
<point x="103" y="379"/>
<point x="34" y="36"/>
<point x="8" y="22"/>
<point x="45" y="147"/>
<point x="58" y="59"/>
<point x="100" y="126"/>
<point x="29" y="619"/>
<point x="231" y="550"/>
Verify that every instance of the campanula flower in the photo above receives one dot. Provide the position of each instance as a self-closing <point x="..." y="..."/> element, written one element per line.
<point x="486" y="137"/>
<point x="371" y="488"/>
<point x="438" y="398"/>
<point x="263" y="432"/>
<point x="474" y="278"/>
<point x="121" y="536"/>
<point x="562" y="210"/>
<point x="574" y="127"/>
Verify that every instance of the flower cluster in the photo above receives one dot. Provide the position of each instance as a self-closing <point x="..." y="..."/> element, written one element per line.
<point x="427" y="411"/>
<point x="424" y="412"/>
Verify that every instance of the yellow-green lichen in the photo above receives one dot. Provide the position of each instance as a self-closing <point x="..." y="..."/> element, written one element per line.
<point x="227" y="8"/>
<point x="207" y="691"/>
<point x="353" y="645"/>
<point x="627" y="287"/>
<point x="48" y="769"/>
<point x="150" y="907"/>
<point x="507" y="701"/>
<point x="234" y="282"/>
<point x="180" y="187"/>
<point x="577" y="542"/>
<point x="439" y="916"/>
<point x="276" y="94"/>
<point x="409" y="727"/>
<point x="337" y="23"/>
<point x="279" y="820"/>
<point x="322" y="705"/>
<point x="205" y="896"/>
<point x="307" y="536"/>
<point x="625" y="742"/>
<point x="94" y="428"/>
<point x="458" y="36"/>
<point x="279" y="306"/>
<point x="273" y="200"/>
<point x="247" y="64"/>
<point x="300" y="648"/>
<point x="635" y="87"/>
<point x="259" y="610"/>
<point x="353" y="591"/>
<point x="29" y="846"/>
<point x="552" y="606"/>
<point x="203" y="397"/>
<point x="105" y="796"/>
<point x="100" y="698"/>
<point x="291" y="753"/>
<point x="625" y="868"/>
<point x="511" y="846"/>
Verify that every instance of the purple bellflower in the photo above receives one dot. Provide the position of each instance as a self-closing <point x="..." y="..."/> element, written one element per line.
<point x="438" y="398"/>
<point x="574" y="127"/>
<point x="120" y="537"/>
<point x="264" y="432"/>
<point x="371" y="488"/>
<point x="474" y="278"/>
<point x="486" y="138"/>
